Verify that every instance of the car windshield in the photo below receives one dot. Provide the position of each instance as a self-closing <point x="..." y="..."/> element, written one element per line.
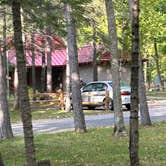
<point x="110" y="84"/>
<point x="122" y="84"/>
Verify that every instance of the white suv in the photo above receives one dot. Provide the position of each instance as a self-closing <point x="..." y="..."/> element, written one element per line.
<point x="93" y="94"/>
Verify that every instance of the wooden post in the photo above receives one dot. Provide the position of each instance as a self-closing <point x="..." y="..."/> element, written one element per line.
<point x="107" y="99"/>
<point x="43" y="163"/>
<point x="61" y="99"/>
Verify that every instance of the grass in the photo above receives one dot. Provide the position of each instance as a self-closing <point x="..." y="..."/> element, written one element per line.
<point x="97" y="147"/>
<point x="157" y="94"/>
<point x="52" y="113"/>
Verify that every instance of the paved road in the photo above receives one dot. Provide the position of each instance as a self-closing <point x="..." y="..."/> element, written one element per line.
<point x="157" y="113"/>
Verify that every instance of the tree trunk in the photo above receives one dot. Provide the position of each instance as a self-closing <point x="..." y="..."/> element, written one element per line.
<point x="5" y="61"/>
<point x="5" y="125"/>
<point x="68" y="85"/>
<point x="23" y="91"/>
<point x="144" y="110"/>
<point x="134" y="132"/>
<point x="49" y="65"/>
<point x="148" y="73"/>
<point x="79" y="120"/>
<point x="119" y="128"/>
<point x="157" y="63"/>
<point x="43" y="72"/>
<point x="1" y="161"/>
<point x="95" y="74"/>
<point x="16" y="94"/>
<point x="33" y="65"/>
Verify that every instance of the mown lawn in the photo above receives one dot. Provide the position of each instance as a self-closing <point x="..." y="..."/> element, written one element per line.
<point x="40" y="114"/>
<point x="157" y="93"/>
<point x="45" y="111"/>
<point x="97" y="147"/>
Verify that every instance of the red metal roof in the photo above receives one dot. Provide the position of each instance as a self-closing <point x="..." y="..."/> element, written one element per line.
<point x="85" y="55"/>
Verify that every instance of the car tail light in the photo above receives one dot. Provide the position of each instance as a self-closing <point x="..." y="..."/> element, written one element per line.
<point x="125" y="93"/>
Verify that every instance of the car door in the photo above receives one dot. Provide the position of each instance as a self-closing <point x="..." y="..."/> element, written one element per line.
<point x="87" y="91"/>
<point x="99" y="94"/>
<point x="93" y="94"/>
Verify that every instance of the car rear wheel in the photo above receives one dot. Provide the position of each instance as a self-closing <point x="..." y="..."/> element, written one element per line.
<point x="128" y="106"/>
<point x="111" y="105"/>
<point x="91" y="107"/>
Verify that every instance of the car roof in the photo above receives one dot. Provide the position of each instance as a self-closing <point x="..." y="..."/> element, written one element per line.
<point x="100" y="82"/>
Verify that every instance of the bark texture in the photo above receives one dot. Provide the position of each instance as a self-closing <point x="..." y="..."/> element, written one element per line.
<point x="33" y="64"/>
<point x="157" y="64"/>
<point x="79" y="120"/>
<point x="5" y="125"/>
<point x="134" y="132"/>
<point x="119" y="128"/>
<point x="95" y="74"/>
<point x="1" y="160"/>
<point x="68" y="85"/>
<point x="43" y="72"/>
<point x="23" y="91"/>
<point x="49" y="65"/>
<point x="16" y="89"/>
<point x="144" y="110"/>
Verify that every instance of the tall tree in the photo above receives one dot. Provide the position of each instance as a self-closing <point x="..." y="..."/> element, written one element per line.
<point x="33" y="63"/>
<point x="79" y="120"/>
<point x="68" y="85"/>
<point x="16" y="94"/>
<point x="144" y="110"/>
<point x="5" y="125"/>
<point x="1" y="161"/>
<point x="23" y="91"/>
<point x="157" y="62"/>
<point x="49" y="61"/>
<point x="43" y="72"/>
<point x="5" y="48"/>
<point x="95" y="74"/>
<point x="134" y="132"/>
<point x="118" y="120"/>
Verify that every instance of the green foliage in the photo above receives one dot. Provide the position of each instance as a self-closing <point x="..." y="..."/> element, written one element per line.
<point x="94" y="16"/>
<point x="43" y="13"/>
<point x="152" y="23"/>
<point x="97" y="147"/>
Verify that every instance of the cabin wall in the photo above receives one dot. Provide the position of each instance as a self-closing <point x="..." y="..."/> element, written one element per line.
<point x="104" y="73"/>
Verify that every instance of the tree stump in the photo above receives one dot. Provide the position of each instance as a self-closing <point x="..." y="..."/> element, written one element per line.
<point x="1" y="161"/>
<point x="43" y="163"/>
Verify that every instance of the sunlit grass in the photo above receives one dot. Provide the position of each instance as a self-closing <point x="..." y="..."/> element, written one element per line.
<point x="157" y="93"/>
<point x="51" y="113"/>
<point x="97" y="147"/>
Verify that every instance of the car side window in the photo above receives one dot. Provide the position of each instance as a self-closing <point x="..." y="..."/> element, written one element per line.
<point x="101" y="87"/>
